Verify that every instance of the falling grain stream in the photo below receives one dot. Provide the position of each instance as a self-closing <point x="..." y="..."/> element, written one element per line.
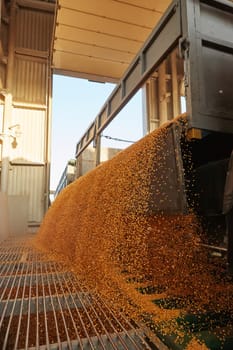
<point x="106" y="270"/>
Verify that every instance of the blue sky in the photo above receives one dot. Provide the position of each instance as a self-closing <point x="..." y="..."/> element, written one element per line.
<point x="76" y="102"/>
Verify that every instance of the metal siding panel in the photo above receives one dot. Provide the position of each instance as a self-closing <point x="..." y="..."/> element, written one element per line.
<point x="31" y="142"/>
<point x="168" y="33"/>
<point x="96" y="39"/>
<point x="159" y="5"/>
<point x="216" y="23"/>
<point x="117" y="11"/>
<point x="87" y="160"/>
<point x="92" y="66"/>
<point x="132" y="78"/>
<point x="29" y="181"/>
<point x="30" y="83"/>
<point x="208" y="61"/>
<point x="216" y="78"/>
<point x="34" y="29"/>
<point x="89" y="50"/>
<point x="167" y="178"/>
<point x="105" y="29"/>
<point x="99" y="24"/>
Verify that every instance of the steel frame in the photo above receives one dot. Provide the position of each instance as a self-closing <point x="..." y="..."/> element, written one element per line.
<point x="188" y="25"/>
<point x="165" y="36"/>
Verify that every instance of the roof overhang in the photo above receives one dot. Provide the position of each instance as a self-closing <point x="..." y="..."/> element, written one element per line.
<point x="97" y="40"/>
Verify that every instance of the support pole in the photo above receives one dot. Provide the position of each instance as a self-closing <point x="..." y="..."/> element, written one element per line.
<point x="97" y="150"/>
<point x="150" y="106"/>
<point x="79" y="166"/>
<point x="175" y="88"/>
<point x="162" y="94"/>
<point x="153" y="105"/>
<point x="145" y="109"/>
<point x="48" y="139"/>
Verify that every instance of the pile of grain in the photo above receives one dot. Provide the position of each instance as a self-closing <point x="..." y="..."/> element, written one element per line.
<point x="103" y="228"/>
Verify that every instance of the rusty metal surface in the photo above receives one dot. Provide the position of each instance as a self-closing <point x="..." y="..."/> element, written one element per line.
<point x="43" y="306"/>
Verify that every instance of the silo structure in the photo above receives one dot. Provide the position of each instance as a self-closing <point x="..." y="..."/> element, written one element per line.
<point x="25" y="70"/>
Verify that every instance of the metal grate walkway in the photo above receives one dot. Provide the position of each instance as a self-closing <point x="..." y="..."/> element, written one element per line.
<point x="43" y="306"/>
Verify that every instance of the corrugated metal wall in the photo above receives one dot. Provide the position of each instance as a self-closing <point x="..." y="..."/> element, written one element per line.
<point x="29" y="155"/>
<point x="30" y="80"/>
<point x="29" y="181"/>
<point x="34" y="30"/>
<point x="31" y="141"/>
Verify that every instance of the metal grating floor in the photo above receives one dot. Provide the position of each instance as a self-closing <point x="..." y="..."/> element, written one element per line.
<point x="43" y="306"/>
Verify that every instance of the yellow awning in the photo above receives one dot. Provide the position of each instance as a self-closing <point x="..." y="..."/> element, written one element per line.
<point x="97" y="40"/>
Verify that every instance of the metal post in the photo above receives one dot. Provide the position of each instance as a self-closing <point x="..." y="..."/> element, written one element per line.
<point x="162" y="93"/>
<point x="153" y="104"/>
<point x="48" y="139"/>
<point x="97" y="150"/>
<point x="145" y="111"/>
<point x="79" y="164"/>
<point x="175" y="88"/>
<point x="150" y="105"/>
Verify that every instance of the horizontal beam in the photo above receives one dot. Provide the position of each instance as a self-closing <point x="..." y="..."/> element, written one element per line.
<point x="40" y="5"/>
<point x="88" y="76"/>
<point x="162" y="39"/>
<point x="17" y="306"/>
